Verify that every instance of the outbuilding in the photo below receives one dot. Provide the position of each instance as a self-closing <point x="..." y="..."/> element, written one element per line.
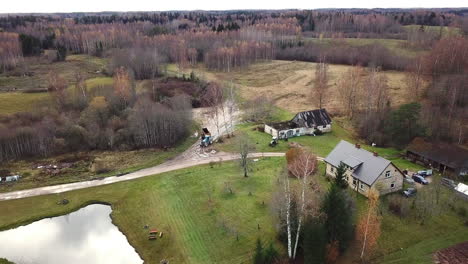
<point x="303" y="123"/>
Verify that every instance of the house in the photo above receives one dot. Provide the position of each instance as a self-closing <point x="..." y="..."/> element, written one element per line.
<point x="445" y="158"/>
<point x="304" y="123"/>
<point x="364" y="170"/>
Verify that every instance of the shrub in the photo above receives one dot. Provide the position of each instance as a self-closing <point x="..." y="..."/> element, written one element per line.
<point x="99" y="166"/>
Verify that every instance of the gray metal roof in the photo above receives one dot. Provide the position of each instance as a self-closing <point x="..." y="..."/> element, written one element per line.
<point x="370" y="168"/>
<point x="352" y="162"/>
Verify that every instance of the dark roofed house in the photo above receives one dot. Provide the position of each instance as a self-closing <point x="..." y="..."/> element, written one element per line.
<point x="364" y="170"/>
<point x="303" y="123"/>
<point x="443" y="157"/>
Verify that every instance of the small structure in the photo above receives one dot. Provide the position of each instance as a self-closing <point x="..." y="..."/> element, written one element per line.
<point x="365" y="170"/>
<point x="443" y="157"/>
<point x="11" y="178"/>
<point x="304" y="123"/>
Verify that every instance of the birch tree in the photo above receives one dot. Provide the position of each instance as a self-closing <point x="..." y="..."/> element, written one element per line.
<point x="297" y="199"/>
<point x="368" y="227"/>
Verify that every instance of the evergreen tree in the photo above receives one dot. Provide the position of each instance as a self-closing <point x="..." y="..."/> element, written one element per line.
<point x="340" y="176"/>
<point x="338" y="219"/>
<point x="270" y="255"/>
<point x="314" y="242"/>
<point x="258" y="257"/>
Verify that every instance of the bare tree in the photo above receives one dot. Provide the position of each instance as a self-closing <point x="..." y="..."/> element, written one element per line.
<point x="414" y="77"/>
<point x="350" y="90"/>
<point x="214" y="99"/>
<point x="244" y="147"/>
<point x="368" y="227"/>
<point x="320" y="87"/>
<point x="57" y="86"/>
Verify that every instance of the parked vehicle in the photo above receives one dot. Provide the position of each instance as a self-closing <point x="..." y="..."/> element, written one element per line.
<point x="206" y="138"/>
<point x="273" y="142"/>
<point x="420" y="179"/>
<point x="409" y="192"/>
<point x="425" y="173"/>
<point x="408" y="180"/>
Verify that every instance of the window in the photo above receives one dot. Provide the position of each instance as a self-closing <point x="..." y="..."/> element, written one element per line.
<point x="392" y="185"/>
<point x="354" y="182"/>
<point x="362" y="186"/>
<point x="387" y="174"/>
<point x="332" y="169"/>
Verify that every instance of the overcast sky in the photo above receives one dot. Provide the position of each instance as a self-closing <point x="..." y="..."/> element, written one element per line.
<point x="44" y="6"/>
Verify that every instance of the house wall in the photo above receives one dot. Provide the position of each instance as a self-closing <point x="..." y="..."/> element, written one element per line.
<point x="325" y="129"/>
<point x="382" y="184"/>
<point x="270" y="130"/>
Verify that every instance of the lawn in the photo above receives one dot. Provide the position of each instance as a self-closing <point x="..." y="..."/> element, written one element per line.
<point x="196" y="230"/>
<point x="320" y="145"/>
<point x="115" y="161"/>
<point x="404" y="240"/>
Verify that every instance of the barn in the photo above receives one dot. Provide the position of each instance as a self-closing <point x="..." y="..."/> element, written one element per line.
<point x="446" y="158"/>
<point x="303" y="123"/>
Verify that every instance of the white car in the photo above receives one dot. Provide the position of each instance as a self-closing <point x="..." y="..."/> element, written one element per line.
<point x="409" y="180"/>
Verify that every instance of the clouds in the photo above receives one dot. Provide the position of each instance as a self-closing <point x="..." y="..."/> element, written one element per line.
<point x="27" y="6"/>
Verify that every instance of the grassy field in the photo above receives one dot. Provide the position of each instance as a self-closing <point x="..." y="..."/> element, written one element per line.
<point x="203" y="223"/>
<point x="14" y="102"/>
<point x="405" y="240"/>
<point x="289" y="84"/>
<point x="90" y="66"/>
<point x="11" y="85"/>
<point x="196" y="230"/>
<point x="398" y="46"/>
<point x="115" y="161"/>
<point x="446" y="31"/>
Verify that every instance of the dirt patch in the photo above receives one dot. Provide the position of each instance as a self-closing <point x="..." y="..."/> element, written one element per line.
<point x="457" y="254"/>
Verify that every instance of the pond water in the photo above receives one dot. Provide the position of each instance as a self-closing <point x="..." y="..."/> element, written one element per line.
<point x="84" y="236"/>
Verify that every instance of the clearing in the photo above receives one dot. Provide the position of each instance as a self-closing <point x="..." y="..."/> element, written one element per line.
<point x="288" y="83"/>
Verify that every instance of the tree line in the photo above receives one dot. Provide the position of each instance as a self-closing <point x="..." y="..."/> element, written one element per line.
<point x="106" y="118"/>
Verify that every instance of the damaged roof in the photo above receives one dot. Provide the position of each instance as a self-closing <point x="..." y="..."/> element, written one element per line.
<point x="312" y="118"/>
<point x="369" y="168"/>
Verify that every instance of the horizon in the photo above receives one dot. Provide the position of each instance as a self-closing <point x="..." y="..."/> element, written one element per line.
<point x="89" y="6"/>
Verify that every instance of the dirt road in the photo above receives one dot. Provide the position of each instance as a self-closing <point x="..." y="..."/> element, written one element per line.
<point x="171" y="165"/>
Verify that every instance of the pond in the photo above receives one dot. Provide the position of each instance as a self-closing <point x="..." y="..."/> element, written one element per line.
<point x="84" y="236"/>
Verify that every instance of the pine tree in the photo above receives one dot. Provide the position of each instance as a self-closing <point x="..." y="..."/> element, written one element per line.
<point x="258" y="257"/>
<point x="338" y="219"/>
<point x="340" y="176"/>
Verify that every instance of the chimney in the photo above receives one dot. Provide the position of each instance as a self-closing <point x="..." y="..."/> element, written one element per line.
<point x="357" y="145"/>
<point x="376" y="154"/>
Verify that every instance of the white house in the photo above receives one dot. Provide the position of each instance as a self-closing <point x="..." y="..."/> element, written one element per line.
<point x="365" y="170"/>
<point x="304" y="123"/>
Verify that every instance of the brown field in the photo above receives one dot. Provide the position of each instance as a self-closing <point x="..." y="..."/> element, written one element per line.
<point x="288" y="83"/>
